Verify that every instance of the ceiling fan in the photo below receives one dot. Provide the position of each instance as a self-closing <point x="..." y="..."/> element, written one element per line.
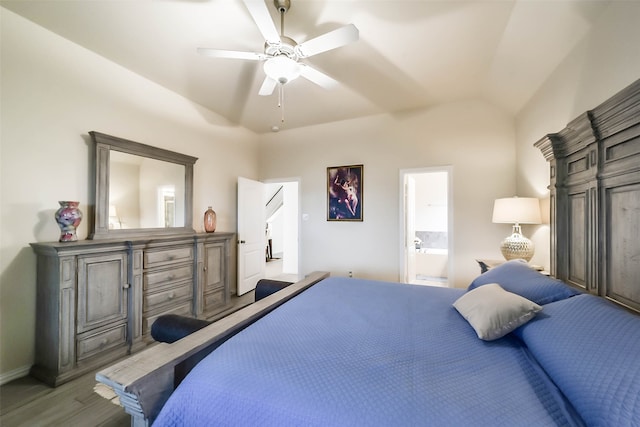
<point x="282" y="54"/>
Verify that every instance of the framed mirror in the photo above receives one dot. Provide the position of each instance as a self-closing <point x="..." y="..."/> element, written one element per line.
<point x="141" y="190"/>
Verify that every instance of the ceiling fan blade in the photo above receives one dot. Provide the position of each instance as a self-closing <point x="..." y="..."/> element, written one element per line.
<point x="233" y="54"/>
<point x="268" y="85"/>
<point x="331" y="40"/>
<point x="317" y="77"/>
<point x="260" y="14"/>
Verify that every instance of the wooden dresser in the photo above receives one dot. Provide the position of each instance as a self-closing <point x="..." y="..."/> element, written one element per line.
<point x="97" y="299"/>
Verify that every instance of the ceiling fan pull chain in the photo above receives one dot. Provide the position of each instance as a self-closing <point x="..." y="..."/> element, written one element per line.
<point x="281" y="103"/>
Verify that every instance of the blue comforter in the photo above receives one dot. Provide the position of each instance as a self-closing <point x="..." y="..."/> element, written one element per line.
<point x="352" y="352"/>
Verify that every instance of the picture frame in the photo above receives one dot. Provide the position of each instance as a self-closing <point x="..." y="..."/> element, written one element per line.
<point x="345" y="186"/>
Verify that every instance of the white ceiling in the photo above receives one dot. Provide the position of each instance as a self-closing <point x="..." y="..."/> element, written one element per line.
<point x="411" y="54"/>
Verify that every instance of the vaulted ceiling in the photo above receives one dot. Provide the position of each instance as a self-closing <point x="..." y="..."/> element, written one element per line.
<point x="410" y="54"/>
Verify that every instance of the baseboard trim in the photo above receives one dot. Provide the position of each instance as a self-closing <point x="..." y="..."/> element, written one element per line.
<point x="14" y="375"/>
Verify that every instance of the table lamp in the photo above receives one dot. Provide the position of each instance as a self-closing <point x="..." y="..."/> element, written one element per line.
<point x="516" y="211"/>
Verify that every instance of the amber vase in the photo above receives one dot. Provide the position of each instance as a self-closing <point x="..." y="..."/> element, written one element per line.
<point x="210" y="220"/>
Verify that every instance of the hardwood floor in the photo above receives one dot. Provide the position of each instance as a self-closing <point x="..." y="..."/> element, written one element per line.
<point x="29" y="402"/>
<point x="274" y="271"/>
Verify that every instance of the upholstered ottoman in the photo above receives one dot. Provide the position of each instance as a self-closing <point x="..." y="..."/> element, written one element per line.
<point x="172" y="327"/>
<point x="266" y="287"/>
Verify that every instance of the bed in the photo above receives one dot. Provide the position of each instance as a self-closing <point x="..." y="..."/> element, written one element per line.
<point x="405" y="356"/>
<point x="515" y="347"/>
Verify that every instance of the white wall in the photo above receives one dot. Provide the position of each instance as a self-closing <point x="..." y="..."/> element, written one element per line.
<point x="431" y="201"/>
<point x="472" y="136"/>
<point x="604" y="63"/>
<point x="53" y="93"/>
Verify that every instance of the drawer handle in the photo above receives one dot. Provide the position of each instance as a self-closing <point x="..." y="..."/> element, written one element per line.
<point x="126" y="286"/>
<point x="104" y="342"/>
<point x="172" y="276"/>
<point x="171" y="295"/>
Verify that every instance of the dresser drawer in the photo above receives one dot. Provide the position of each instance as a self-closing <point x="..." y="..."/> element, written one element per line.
<point x="176" y="293"/>
<point x="93" y="344"/>
<point x="167" y="256"/>
<point x="162" y="278"/>
<point x="183" y="309"/>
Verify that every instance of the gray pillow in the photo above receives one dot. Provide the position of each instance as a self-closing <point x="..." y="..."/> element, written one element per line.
<point x="494" y="312"/>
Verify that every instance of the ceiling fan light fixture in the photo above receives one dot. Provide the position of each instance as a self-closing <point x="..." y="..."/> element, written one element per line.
<point x="282" y="69"/>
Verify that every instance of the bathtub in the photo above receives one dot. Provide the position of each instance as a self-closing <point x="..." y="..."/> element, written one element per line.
<point x="432" y="262"/>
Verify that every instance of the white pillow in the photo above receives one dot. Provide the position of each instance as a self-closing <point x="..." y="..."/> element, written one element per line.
<point x="494" y="312"/>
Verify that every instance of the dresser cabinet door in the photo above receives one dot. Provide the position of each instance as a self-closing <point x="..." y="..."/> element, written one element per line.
<point x="102" y="290"/>
<point x="216" y="292"/>
<point x="214" y="257"/>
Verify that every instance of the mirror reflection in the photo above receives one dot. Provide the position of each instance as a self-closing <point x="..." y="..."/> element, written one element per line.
<point x="145" y="192"/>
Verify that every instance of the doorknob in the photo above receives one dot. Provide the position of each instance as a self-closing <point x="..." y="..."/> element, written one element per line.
<point x="242" y="242"/>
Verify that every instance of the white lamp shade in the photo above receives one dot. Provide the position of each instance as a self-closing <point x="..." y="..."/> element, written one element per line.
<point x="517" y="210"/>
<point x="282" y="69"/>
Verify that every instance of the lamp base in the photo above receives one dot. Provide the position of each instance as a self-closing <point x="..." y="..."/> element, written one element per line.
<point x="516" y="246"/>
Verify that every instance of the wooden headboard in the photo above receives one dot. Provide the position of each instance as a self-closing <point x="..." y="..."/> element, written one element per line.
<point x="595" y="199"/>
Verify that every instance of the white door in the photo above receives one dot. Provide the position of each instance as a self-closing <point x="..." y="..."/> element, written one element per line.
<point x="251" y="234"/>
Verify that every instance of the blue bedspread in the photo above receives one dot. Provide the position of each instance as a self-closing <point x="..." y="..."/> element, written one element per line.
<point x="351" y="352"/>
<point x="594" y="359"/>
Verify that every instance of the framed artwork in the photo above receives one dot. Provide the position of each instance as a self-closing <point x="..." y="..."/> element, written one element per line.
<point x="344" y="193"/>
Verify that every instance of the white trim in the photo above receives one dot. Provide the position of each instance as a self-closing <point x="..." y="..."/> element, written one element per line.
<point x="14" y="375"/>
<point x="450" y="216"/>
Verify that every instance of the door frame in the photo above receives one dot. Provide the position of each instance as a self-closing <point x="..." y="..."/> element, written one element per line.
<point x="403" y="216"/>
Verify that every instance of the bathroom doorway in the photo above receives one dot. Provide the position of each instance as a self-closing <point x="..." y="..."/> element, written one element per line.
<point x="282" y="229"/>
<point x="426" y="224"/>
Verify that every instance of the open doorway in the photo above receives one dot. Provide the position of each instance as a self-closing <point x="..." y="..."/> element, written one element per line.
<point x="281" y="229"/>
<point x="426" y="226"/>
